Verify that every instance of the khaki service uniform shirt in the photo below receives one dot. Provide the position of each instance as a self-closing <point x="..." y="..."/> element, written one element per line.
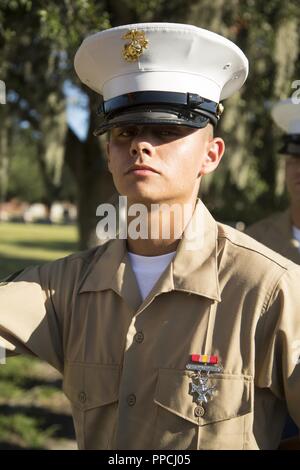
<point x="124" y="361"/>
<point x="276" y="232"/>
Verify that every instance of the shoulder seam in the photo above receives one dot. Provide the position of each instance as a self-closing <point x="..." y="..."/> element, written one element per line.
<point x="84" y="255"/>
<point x="285" y="267"/>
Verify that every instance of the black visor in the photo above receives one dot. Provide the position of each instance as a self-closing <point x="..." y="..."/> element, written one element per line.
<point x="291" y="145"/>
<point x="155" y="107"/>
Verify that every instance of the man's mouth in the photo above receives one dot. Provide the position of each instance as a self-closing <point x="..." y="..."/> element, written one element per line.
<point x="142" y="170"/>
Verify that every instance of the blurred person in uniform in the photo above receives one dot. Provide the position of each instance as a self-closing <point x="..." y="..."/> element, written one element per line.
<point x="281" y="231"/>
<point x="184" y="341"/>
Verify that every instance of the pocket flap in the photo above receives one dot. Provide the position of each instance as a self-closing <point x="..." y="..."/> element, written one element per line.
<point x="91" y="385"/>
<point x="231" y="396"/>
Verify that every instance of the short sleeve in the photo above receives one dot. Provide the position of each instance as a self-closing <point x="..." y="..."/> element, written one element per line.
<point x="30" y="318"/>
<point x="278" y="343"/>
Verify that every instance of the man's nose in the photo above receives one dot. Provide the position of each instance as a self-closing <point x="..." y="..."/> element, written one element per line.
<point x="141" y="146"/>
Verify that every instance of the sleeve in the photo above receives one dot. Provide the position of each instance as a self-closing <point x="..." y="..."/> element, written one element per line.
<point x="31" y="313"/>
<point x="278" y="343"/>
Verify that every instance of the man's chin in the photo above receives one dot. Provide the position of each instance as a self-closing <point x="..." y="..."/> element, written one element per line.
<point x="142" y="198"/>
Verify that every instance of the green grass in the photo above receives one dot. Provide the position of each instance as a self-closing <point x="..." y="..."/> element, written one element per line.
<point x="24" y="431"/>
<point x="23" y="245"/>
<point x="22" y="386"/>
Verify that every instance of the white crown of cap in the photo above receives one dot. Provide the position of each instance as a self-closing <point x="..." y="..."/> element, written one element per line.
<point x="179" y="58"/>
<point x="286" y="114"/>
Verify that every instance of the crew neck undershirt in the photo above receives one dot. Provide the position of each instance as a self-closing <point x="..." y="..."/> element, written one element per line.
<point x="148" y="269"/>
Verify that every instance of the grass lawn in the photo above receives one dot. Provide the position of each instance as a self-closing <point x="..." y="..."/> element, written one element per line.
<point x="34" y="414"/>
<point x="23" y="245"/>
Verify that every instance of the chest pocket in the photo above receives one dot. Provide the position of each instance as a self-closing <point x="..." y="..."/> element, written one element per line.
<point x="93" y="392"/>
<point x="224" y="423"/>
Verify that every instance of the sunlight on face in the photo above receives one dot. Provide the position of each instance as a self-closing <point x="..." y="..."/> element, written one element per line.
<point x="155" y="163"/>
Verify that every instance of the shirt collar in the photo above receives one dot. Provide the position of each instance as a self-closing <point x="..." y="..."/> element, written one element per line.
<point x="194" y="268"/>
<point x="195" y="264"/>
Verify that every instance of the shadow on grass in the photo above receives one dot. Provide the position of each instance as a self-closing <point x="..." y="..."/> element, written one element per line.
<point x="8" y="446"/>
<point x="9" y="265"/>
<point x="47" y="245"/>
<point x="61" y="425"/>
<point x="30" y="426"/>
<point x="28" y="383"/>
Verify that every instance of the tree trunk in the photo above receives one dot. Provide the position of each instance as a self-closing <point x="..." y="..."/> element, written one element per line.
<point x="3" y="163"/>
<point x="94" y="182"/>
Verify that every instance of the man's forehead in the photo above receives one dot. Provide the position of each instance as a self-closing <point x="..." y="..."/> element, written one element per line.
<point x="293" y="158"/>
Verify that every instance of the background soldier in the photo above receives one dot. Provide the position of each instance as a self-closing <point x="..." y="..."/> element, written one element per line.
<point x="281" y="231"/>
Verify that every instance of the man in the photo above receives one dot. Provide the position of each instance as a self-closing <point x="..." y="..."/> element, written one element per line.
<point x="184" y="341"/>
<point x="281" y="231"/>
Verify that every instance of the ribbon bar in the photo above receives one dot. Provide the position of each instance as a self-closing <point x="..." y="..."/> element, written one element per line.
<point x="204" y="359"/>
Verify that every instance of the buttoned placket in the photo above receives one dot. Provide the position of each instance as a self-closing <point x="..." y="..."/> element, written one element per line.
<point x="124" y="284"/>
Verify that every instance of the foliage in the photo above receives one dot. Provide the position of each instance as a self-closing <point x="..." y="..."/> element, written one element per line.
<point x="26" y="397"/>
<point x="38" y="41"/>
<point x="248" y="183"/>
<point x="24" y="431"/>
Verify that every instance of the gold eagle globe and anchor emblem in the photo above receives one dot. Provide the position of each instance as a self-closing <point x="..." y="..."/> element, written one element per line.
<point x="133" y="50"/>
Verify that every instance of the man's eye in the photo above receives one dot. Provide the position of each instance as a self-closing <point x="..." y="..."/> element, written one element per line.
<point x="165" y="132"/>
<point x="168" y="132"/>
<point x="125" y="133"/>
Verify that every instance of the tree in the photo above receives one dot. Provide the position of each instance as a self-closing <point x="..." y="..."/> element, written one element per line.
<point x="249" y="184"/>
<point x="34" y="92"/>
<point x="46" y="35"/>
<point x="65" y="25"/>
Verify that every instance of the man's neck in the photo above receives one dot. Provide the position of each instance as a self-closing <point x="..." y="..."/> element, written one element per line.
<point x="295" y="214"/>
<point x="165" y="227"/>
<point x="151" y="247"/>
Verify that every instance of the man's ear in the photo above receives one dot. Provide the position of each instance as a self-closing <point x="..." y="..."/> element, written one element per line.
<point x="214" y="153"/>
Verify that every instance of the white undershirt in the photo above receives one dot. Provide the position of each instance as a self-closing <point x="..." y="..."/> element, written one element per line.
<point x="296" y="234"/>
<point x="148" y="269"/>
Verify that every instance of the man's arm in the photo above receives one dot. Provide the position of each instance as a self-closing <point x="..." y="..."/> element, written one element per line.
<point x="278" y="346"/>
<point x="29" y="320"/>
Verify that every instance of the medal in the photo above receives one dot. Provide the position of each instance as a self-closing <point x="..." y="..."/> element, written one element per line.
<point x="202" y="366"/>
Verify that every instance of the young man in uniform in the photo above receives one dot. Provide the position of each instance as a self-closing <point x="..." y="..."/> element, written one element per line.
<point x="186" y="341"/>
<point x="281" y="231"/>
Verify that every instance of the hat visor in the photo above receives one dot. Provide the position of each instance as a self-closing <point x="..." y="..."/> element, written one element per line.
<point x="291" y="148"/>
<point x="165" y="117"/>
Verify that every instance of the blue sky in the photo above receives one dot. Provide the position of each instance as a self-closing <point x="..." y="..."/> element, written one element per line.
<point x="77" y="115"/>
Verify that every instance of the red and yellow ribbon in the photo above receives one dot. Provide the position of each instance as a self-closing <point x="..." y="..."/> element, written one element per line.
<point x="204" y="359"/>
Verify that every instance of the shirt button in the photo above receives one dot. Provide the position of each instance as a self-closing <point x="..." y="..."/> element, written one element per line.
<point x="131" y="399"/>
<point x="139" y="337"/>
<point x="82" y="397"/>
<point x="199" y="411"/>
